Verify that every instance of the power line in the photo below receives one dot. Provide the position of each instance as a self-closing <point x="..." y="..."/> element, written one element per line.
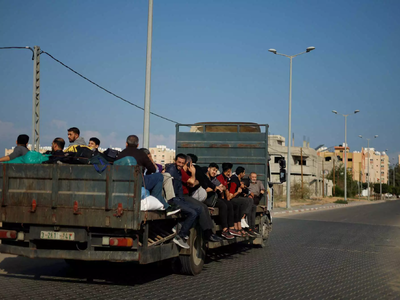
<point x="104" y="89"/>
<point x="92" y="82"/>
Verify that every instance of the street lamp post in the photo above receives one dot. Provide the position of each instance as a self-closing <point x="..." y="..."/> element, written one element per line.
<point x="146" y="119"/>
<point x="380" y="173"/>
<point x="345" y="151"/>
<point x="290" y="119"/>
<point x="375" y="136"/>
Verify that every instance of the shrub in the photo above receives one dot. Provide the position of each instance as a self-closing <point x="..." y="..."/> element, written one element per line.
<point x="298" y="193"/>
<point x="341" y="202"/>
<point x="339" y="192"/>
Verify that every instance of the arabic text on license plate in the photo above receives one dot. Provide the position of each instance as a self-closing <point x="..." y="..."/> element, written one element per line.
<point x="52" y="235"/>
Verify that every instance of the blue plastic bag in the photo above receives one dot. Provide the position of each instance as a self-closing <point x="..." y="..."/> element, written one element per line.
<point x="126" y="161"/>
<point x="145" y="193"/>
<point x="32" y="157"/>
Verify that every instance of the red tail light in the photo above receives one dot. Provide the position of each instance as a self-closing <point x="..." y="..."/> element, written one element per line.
<point x="121" y="242"/>
<point x="8" y="234"/>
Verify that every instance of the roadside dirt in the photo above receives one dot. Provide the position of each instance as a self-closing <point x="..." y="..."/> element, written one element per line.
<point x="316" y="201"/>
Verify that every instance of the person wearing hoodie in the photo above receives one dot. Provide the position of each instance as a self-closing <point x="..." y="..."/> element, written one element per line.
<point x="74" y="138"/>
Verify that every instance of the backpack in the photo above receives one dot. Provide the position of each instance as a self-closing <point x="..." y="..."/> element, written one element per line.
<point x="111" y="155"/>
<point x="99" y="163"/>
<point x="78" y="155"/>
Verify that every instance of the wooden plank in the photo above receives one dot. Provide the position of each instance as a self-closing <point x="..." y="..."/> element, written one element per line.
<point x="109" y="187"/>
<point x="5" y="185"/>
<point x="54" y="186"/>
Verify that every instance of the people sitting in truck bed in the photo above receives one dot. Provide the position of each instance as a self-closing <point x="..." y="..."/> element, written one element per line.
<point x="190" y="211"/>
<point x="153" y="181"/>
<point x="94" y="144"/>
<point x="57" y="153"/>
<point x="74" y="137"/>
<point x="147" y="152"/>
<point x="256" y="188"/>
<point x="200" y="174"/>
<point x="190" y="182"/>
<point x="236" y="188"/>
<point x="20" y="150"/>
<point x="188" y="203"/>
<point x="240" y="205"/>
<point x="225" y="207"/>
<point x="202" y="189"/>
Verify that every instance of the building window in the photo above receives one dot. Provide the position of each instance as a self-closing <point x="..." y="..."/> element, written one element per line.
<point x="350" y="159"/>
<point x="280" y="143"/>
<point x="297" y="160"/>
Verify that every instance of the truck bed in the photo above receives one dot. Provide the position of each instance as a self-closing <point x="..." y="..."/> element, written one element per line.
<point x="71" y="195"/>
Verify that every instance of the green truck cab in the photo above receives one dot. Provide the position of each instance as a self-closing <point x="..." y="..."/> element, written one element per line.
<point x="72" y="212"/>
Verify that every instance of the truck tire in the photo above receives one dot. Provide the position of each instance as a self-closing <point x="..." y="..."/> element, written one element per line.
<point x="265" y="229"/>
<point x="193" y="264"/>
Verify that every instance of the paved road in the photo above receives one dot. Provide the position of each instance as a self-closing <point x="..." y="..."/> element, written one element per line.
<point x="344" y="253"/>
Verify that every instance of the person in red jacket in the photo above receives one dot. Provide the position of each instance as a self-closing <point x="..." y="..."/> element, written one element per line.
<point x="240" y="205"/>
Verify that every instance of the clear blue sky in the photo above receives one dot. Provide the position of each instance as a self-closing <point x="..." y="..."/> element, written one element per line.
<point x="210" y="63"/>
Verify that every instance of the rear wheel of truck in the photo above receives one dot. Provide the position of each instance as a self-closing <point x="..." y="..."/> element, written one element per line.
<point x="265" y="229"/>
<point x="192" y="264"/>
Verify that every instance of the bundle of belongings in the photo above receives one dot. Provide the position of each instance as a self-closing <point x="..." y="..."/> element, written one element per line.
<point x="81" y="154"/>
<point x="31" y="157"/>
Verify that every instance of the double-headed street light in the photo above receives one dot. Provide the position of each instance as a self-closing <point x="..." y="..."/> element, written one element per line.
<point x="345" y="151"/>
<point x="290" y="119"/>
<point x="368" y="139"/>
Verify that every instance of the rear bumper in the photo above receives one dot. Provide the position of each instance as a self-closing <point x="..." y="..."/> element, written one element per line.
<point x="71" y="254"/>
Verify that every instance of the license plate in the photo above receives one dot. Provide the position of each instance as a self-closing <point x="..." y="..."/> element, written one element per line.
<point x="61" y="236"/>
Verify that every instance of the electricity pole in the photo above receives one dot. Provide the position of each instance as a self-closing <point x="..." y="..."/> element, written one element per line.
<point x="36" y="99"/>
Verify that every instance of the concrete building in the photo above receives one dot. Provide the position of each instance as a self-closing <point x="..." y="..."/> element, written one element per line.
<point x="306" y="166"/>
<point x="162" y="155"/>
<point x="357" y="163"/>
<point x="378" y="166"/>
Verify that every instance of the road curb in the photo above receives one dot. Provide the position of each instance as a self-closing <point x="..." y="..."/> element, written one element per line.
<point x="322" y="207"/>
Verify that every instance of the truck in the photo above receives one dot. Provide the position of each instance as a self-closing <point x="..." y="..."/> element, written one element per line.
<point x="75" y="213"/>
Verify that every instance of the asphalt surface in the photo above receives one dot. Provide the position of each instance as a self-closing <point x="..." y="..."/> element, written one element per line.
<point x="343" y="253"/>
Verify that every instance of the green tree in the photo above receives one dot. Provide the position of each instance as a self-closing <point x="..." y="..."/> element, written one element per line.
<point x="395" y="169"/>
<point x="352" y="185"/>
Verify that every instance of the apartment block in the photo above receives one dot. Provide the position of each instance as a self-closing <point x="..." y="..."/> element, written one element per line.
<point x="162" y="155"/>
<point x="357" y="163"/>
